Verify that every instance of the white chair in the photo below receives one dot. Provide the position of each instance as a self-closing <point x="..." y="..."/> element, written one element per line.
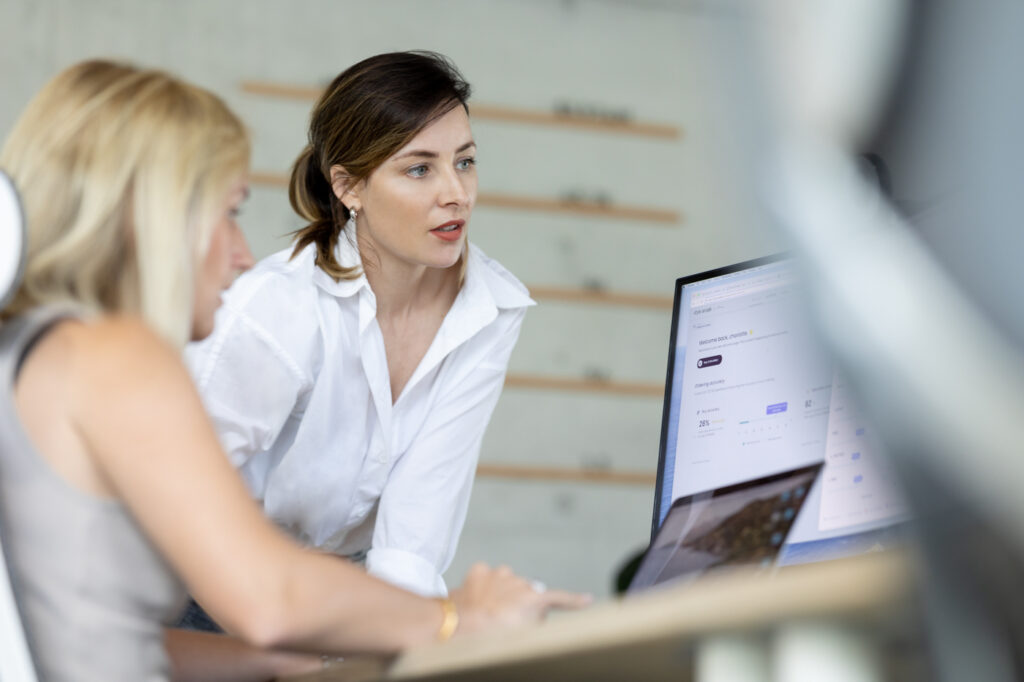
<point x="15" y="656"/>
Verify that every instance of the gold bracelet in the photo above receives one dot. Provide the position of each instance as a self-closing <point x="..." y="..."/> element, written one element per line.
<point x="450" y="622"/>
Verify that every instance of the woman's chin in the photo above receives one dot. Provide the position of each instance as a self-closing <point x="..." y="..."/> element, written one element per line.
<point x="200" y="331"/>
<point x="450" y="260"/>
<point x="202" y="326"/>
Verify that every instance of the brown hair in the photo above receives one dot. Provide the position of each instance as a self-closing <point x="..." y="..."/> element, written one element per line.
<point x="369" y="112"/>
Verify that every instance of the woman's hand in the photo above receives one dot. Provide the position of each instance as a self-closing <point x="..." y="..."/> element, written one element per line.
<point x="497" y="597"/>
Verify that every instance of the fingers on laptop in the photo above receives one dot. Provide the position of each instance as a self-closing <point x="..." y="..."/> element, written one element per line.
<point x="560" y="599"/>
<point x="498" y="597"/>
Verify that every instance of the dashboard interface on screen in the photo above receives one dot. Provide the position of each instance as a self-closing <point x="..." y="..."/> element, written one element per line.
<point x="752" y="392"/>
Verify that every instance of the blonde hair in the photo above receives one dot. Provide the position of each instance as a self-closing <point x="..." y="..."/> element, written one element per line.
<point x="121" y="171"/>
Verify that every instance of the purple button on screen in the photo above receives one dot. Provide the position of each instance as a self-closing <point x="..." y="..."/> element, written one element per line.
<point x="776" y="408"/>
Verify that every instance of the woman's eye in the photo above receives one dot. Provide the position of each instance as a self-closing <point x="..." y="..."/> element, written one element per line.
<point x="417" y="171"/>
<point x="466" y="163"/>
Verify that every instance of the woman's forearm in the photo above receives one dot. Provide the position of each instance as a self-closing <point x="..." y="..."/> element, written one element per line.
<point x="207" y="657"/>
<point x="326" y="604"/>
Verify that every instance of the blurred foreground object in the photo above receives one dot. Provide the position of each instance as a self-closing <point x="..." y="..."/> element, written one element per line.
<point x="920" y="300"/>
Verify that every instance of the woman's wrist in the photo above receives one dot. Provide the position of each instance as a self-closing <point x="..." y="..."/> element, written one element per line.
<point x="450" y="619"/>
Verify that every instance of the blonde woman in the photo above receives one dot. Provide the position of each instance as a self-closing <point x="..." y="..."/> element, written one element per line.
<point x="115" y="495"/>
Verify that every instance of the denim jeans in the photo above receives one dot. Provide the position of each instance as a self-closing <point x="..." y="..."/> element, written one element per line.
<point x="195" y="618"/>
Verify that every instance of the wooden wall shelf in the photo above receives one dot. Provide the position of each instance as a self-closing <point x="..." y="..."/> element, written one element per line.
<point x="572" y="475"/>
<point x="498" y="113"/>
<point x="305" y="93"/>
<point x="600" y="386"/>
<point x="496" y="200"/>
<point x="586" y="208"/>
<point x="601" y="297"/>
<point x="269" y="179"/>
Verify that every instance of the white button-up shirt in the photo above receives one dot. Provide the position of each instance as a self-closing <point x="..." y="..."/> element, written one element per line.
<point x="296" y="381"/>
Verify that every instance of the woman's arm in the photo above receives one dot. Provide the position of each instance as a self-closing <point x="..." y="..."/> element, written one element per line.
<point x="207" y="657"/>
<point x="135" y="408"/>
<point x="249" y="383"/>
<point x="142" y="422"/>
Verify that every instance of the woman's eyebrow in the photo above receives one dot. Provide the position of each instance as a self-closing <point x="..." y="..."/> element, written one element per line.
<point x="432" y="155"/>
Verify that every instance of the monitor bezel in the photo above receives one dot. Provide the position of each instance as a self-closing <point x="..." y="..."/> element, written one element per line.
<point x="666" y="409"/>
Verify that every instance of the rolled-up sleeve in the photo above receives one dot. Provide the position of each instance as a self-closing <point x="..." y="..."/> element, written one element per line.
<point x="423" y="507"/>
<point x="250" y="391"/>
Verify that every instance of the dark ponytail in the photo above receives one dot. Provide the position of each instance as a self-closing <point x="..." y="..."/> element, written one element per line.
<point x="369" y="112"/>
<point x="312" y="197"/>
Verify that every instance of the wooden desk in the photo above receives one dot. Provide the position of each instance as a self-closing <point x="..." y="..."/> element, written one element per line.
<point x="656" y="636"/>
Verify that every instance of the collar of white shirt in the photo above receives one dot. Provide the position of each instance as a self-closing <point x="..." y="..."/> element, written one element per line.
<point x="487" y="282"/>
<point x="488" y="288"/>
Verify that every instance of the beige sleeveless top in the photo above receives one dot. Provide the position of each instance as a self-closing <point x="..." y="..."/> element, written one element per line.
<point x="91" y="590"/>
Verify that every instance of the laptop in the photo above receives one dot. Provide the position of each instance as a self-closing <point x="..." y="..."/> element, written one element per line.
<point x="736" y="526"/>
<point x="756" y="411"/>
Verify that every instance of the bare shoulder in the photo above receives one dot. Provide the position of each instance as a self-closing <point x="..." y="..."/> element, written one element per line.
<point x="74" y="344"/>
<point x="116" y="331"/>
<point x="111" y="352"/>
<point x="88" y="383"/>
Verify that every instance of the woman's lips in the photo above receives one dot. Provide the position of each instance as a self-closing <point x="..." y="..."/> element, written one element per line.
<point x="450" y="231"/>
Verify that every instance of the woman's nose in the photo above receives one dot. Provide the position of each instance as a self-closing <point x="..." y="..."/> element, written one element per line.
<point x="241" y="254"/>
<point x="454" y="190"/>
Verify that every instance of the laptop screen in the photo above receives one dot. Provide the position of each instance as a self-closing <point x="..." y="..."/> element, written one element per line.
<point x="740" y="525"/>
<point x="751" y="392"/>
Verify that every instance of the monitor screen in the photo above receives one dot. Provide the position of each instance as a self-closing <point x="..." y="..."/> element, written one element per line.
<point x="751" y="392"/>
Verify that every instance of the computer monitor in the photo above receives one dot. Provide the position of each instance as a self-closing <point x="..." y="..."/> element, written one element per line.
<point x="750" y="392"/>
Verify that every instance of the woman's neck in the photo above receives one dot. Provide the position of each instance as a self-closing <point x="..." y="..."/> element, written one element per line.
<point x="412" y="302"/>
<point x="401" y="291"/>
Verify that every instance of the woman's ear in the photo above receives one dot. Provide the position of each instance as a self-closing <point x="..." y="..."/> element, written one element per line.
<point x="340" y="182"/>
